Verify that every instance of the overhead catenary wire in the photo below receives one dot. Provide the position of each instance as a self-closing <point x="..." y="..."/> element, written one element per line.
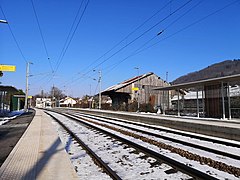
<point x="126" y="37"/>
<point x="41" y="34"/>
<point x="149" y="29"/>
<point x="193" y="23"/>
<point x="138" y="50"/>
<point x="129" y="34"/>
<point x="138" y="37"/>
<point x="14" y="37"/>
<point x="71" y="38"/>
<point x="68" y="40"/>
<point x="184" y="28"/>
<point x="71" y="29"/>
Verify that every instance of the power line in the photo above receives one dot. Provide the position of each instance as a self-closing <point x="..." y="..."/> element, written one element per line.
<point x="129" y="34"/>
<point x="67" y="39"/>
<point x="15" y="40"/>
<point x="72" y="36"/>
<point x="142" y="34"/>
<point x="64" y="50"/>
<point x="137" y="28"/>
<point x="176" y="10"/>
<point x="186" y="27"/>
<point x="192" y="24"/>
<point x="40" y="30"/>
<point x="139" y="49"/>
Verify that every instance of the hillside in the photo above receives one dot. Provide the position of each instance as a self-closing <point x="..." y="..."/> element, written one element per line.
<point x="225" y="68"/>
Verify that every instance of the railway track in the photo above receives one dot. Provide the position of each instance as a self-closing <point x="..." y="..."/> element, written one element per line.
<point x="96" y="158"/>
<point x="207" y="160"/>
<point x="186" y="168"/>
<point x="125" y="124"/>
<point x="168" y="130"/>
<point x="170" y="173"/>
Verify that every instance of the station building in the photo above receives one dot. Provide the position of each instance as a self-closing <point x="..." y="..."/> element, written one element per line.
<point x="137" y="89"/>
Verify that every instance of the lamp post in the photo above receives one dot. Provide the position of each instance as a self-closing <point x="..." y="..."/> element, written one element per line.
<point x="100" y="88"/>
<point x="26" y="92"/>
<point x="138" y="88"/>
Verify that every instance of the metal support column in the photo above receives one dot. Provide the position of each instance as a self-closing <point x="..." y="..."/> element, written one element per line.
<point x="18" y="104"/>
<point x="178" y="104"/>
<point x="163" y="104"/>
<point x="229" y="103"/>
<point x="223" y="104"/>
<point x="100" y="86"/>
<point x="168" y="106"/>
<point x="203" y="101"/>
<point x="197" y="104"/>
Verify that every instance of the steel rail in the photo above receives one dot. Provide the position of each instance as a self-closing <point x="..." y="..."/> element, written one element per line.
<point x="173" y="163"/>
<point x="100" y="162"/>
<point x="171" y="131"/>
<point x="215" y="151"/>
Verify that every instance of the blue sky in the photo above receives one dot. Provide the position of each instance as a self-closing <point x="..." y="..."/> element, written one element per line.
<point x="210" y="38"/>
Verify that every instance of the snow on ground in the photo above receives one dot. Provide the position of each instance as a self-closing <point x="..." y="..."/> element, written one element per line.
<point x="211" y="171"/>
<point x="84" y="166"/>
<point x="9" y="116"/>
<point x="128" y="163"/>
<point x="221" y="147"/>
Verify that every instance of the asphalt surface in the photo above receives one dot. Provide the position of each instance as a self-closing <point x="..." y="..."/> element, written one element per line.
<point x="11" y="132"/>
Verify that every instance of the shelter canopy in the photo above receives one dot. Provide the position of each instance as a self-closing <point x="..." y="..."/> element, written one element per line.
<point x="206" y="82"/>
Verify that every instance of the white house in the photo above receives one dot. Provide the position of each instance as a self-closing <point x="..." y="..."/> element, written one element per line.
<point x="67" y="102"/>
<point x="43" y="102"/>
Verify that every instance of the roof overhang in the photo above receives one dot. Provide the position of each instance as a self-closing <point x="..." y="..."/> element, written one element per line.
<point x="8" y="89"/>
<point x="201" y="83"/>
<point x="125" y="83"/>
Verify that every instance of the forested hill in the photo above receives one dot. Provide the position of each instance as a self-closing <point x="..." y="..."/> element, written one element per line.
<point x="225" y="68"/>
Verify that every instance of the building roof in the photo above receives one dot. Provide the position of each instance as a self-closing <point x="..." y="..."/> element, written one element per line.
<point x="211" y="81"/>
<point x="8" y="89"/>
<point x="126" y="82"/>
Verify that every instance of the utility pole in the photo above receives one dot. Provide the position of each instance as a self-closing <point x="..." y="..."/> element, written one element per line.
<point x="100" y="84"/>
<point x="90" y="100"/>
<point x="53" y="94"/>
<point x="26" y="92"/>
<point x="138" y="106"/>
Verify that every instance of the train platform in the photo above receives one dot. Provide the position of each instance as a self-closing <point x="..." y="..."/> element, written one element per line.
<point x="39" y="154"/>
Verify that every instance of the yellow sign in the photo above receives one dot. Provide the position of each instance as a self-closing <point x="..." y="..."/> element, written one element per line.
<point x="29" y="97"/>
<point x="7" y="68"/>
<point x="135" y="88"/>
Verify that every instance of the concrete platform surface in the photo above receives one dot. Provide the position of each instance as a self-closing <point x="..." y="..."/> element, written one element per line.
<point x="39" y="154"/>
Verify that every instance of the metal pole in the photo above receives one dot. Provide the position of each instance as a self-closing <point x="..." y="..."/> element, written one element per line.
<point x="26" y="92"/>
<point x="100" y="81"/>
<point x="90" y="98"/>
<point x="223" y="105"/>
<point x="138" y="91"/>
<point x="168" y="107"/>
<point x="197" y="105"/>
<point x="229" y="103"/>
<point x="163" y="103"/>
<point x="138" y="105"/>
<point x="203" y="101"/>
<point x="178" y="104"/>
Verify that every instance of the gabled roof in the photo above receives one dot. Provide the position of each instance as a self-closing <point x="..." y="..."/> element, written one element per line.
<point x="8" y="89"/>
<point x="127" y="82"/>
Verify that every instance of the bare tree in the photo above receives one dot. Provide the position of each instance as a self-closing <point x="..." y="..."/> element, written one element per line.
<point x="56" y="93"/>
